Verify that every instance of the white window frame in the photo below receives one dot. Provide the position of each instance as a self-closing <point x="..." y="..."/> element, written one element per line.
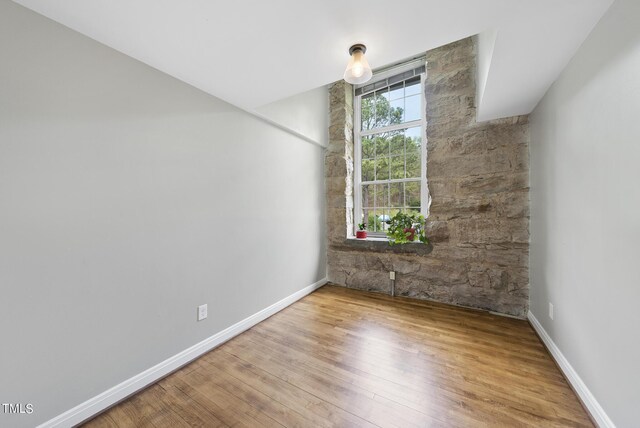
<point x="425" y="200"/>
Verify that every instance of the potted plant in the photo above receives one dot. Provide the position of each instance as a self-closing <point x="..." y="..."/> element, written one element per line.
<point x="362" y="233"/>
<point x="405" y="227"/>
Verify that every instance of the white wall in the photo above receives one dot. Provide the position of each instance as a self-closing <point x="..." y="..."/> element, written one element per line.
<point x="127" y="198"/>
<point x="585" y="212"/>
<point x="486" y="42"/>
<point x="306" y="113"/>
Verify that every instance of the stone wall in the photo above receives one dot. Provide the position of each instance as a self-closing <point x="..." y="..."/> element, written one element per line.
<point x="478" y="179"/>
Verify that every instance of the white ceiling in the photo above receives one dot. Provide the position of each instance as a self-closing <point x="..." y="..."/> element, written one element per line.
<point x="252" y="53"/>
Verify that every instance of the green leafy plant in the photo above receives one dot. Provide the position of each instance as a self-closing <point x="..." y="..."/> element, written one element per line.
<point x="362" y="226"/>
<point x="406" y="227"/>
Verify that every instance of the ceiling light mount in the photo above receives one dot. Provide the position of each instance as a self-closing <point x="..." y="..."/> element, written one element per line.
<point x="358" y="70"/>
<point x="358" y="47"/>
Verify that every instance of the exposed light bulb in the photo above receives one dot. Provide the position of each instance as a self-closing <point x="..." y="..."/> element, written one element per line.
<point x="358" y="70"/>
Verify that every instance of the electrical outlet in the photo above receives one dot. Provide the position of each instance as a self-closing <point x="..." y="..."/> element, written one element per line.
<point x="392" y="275"/>
<point x="202" y="312"/>
<point x="551" y="310"/>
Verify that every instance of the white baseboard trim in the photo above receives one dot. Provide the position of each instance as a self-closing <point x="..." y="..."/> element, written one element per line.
<point x="121" y="391"/>
<point x="597" y="412"/>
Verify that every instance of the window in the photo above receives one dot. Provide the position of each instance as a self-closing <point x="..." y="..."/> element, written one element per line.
<point x="390" y="149"/>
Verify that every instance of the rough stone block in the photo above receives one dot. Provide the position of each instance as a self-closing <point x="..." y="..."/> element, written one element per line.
<point x="480" y="231"/>
<point x="449" y="207"/>
<point x="335" y="166"/>
<point x="492" y="183"/>
<point x="441" y="187"/>
<point x="369" y="281"/>
<point x="336" y="185"/>
<point x="437" y="231"/>
<point x="462" y="166"/>
<point x="458" y="81"/>
<point x="513" y="204"/>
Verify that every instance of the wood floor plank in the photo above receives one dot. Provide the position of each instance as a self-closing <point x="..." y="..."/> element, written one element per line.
<point x="104" y="421"/>
<point x="413" y="395"/>
<point x="347" y="396"/>
<point x="317" y="411"/>
<point x="341" y="357"/>
<point x="233" y="410"/>
<point x="401" y="361"/>
<point x="435" y="406"/>
<point x="188" y="409"/>
<point x="245" y="392"/>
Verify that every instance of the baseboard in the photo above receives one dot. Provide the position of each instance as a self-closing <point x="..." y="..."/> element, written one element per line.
<point x="97" y="404"/>
<point x="593" y="407"/>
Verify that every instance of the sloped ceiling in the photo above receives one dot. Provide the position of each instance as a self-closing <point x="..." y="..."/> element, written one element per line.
<point x="253" y="53"/>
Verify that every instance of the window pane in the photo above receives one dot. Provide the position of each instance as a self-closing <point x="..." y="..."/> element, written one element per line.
<point x="412" y="195"/>
<point x="396" y="104"/>
<point x="367" y="170"/>
<point x="412" y="87"/>
<point x="384" y="93"/>
<point x="367" y="112"/>
<point x="382" y="144"/>
<point x="413" y="164"/>
<point x="373" y="225"/>
<point x="412" y="108"/>
<point x="396" y="167"/>
<point x="413" y="138"/>
<point x="414" y="210"/>
<point x="382" y="168"/>
<point x="397" y="111"/>
<point x="396" y="143"/>
<point x="367" y="195"/>
<point x="368" y="148"/>
<point x="368" y="218"/>
<point x="394" y="211"/>
<point x="396" y="194"/>
<point x="368" y="206"/>
<point x="381" y="192"/>
<point x="382" y="111"/>
<point x="396" y="91"/>
<point x="379" y="217"/>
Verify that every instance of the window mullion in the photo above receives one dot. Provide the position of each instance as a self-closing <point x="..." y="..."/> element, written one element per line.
<point x="357" y="206"/>
<point x="396" y="127"/>
<point x="375" y="187"/>
<point x="424" y="190"/>
<point x="388" y="210"/>
<point x="394" y="180"/>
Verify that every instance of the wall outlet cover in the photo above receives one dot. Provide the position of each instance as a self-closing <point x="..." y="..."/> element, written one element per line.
<point x="202" y="312"/>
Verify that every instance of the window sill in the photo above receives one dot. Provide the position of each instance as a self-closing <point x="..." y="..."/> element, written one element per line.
<point x="381" y="245"/>
<point x="370" y="238"/>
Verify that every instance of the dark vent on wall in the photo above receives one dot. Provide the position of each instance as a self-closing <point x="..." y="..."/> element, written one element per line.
<point x="401" y="77"/>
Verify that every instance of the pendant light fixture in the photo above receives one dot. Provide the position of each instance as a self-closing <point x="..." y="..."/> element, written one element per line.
<point x="358" y="70"/>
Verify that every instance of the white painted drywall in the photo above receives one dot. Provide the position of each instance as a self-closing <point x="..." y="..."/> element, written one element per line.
<point x="127" y="199"/>
<point x="486" y="42"/>
<point x="306" y="113"/>
<point x="585" y="212"/>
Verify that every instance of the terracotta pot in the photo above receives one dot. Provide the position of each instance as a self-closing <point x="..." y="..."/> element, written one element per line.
<point x="361" y="234"/>
<point x="412" y="233"/>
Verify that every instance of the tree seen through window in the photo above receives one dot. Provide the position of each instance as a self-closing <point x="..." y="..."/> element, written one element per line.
<point x="391" y="155"/>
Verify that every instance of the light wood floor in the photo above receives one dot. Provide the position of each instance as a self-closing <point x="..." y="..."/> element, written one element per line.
<point x="346" y="358"/>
